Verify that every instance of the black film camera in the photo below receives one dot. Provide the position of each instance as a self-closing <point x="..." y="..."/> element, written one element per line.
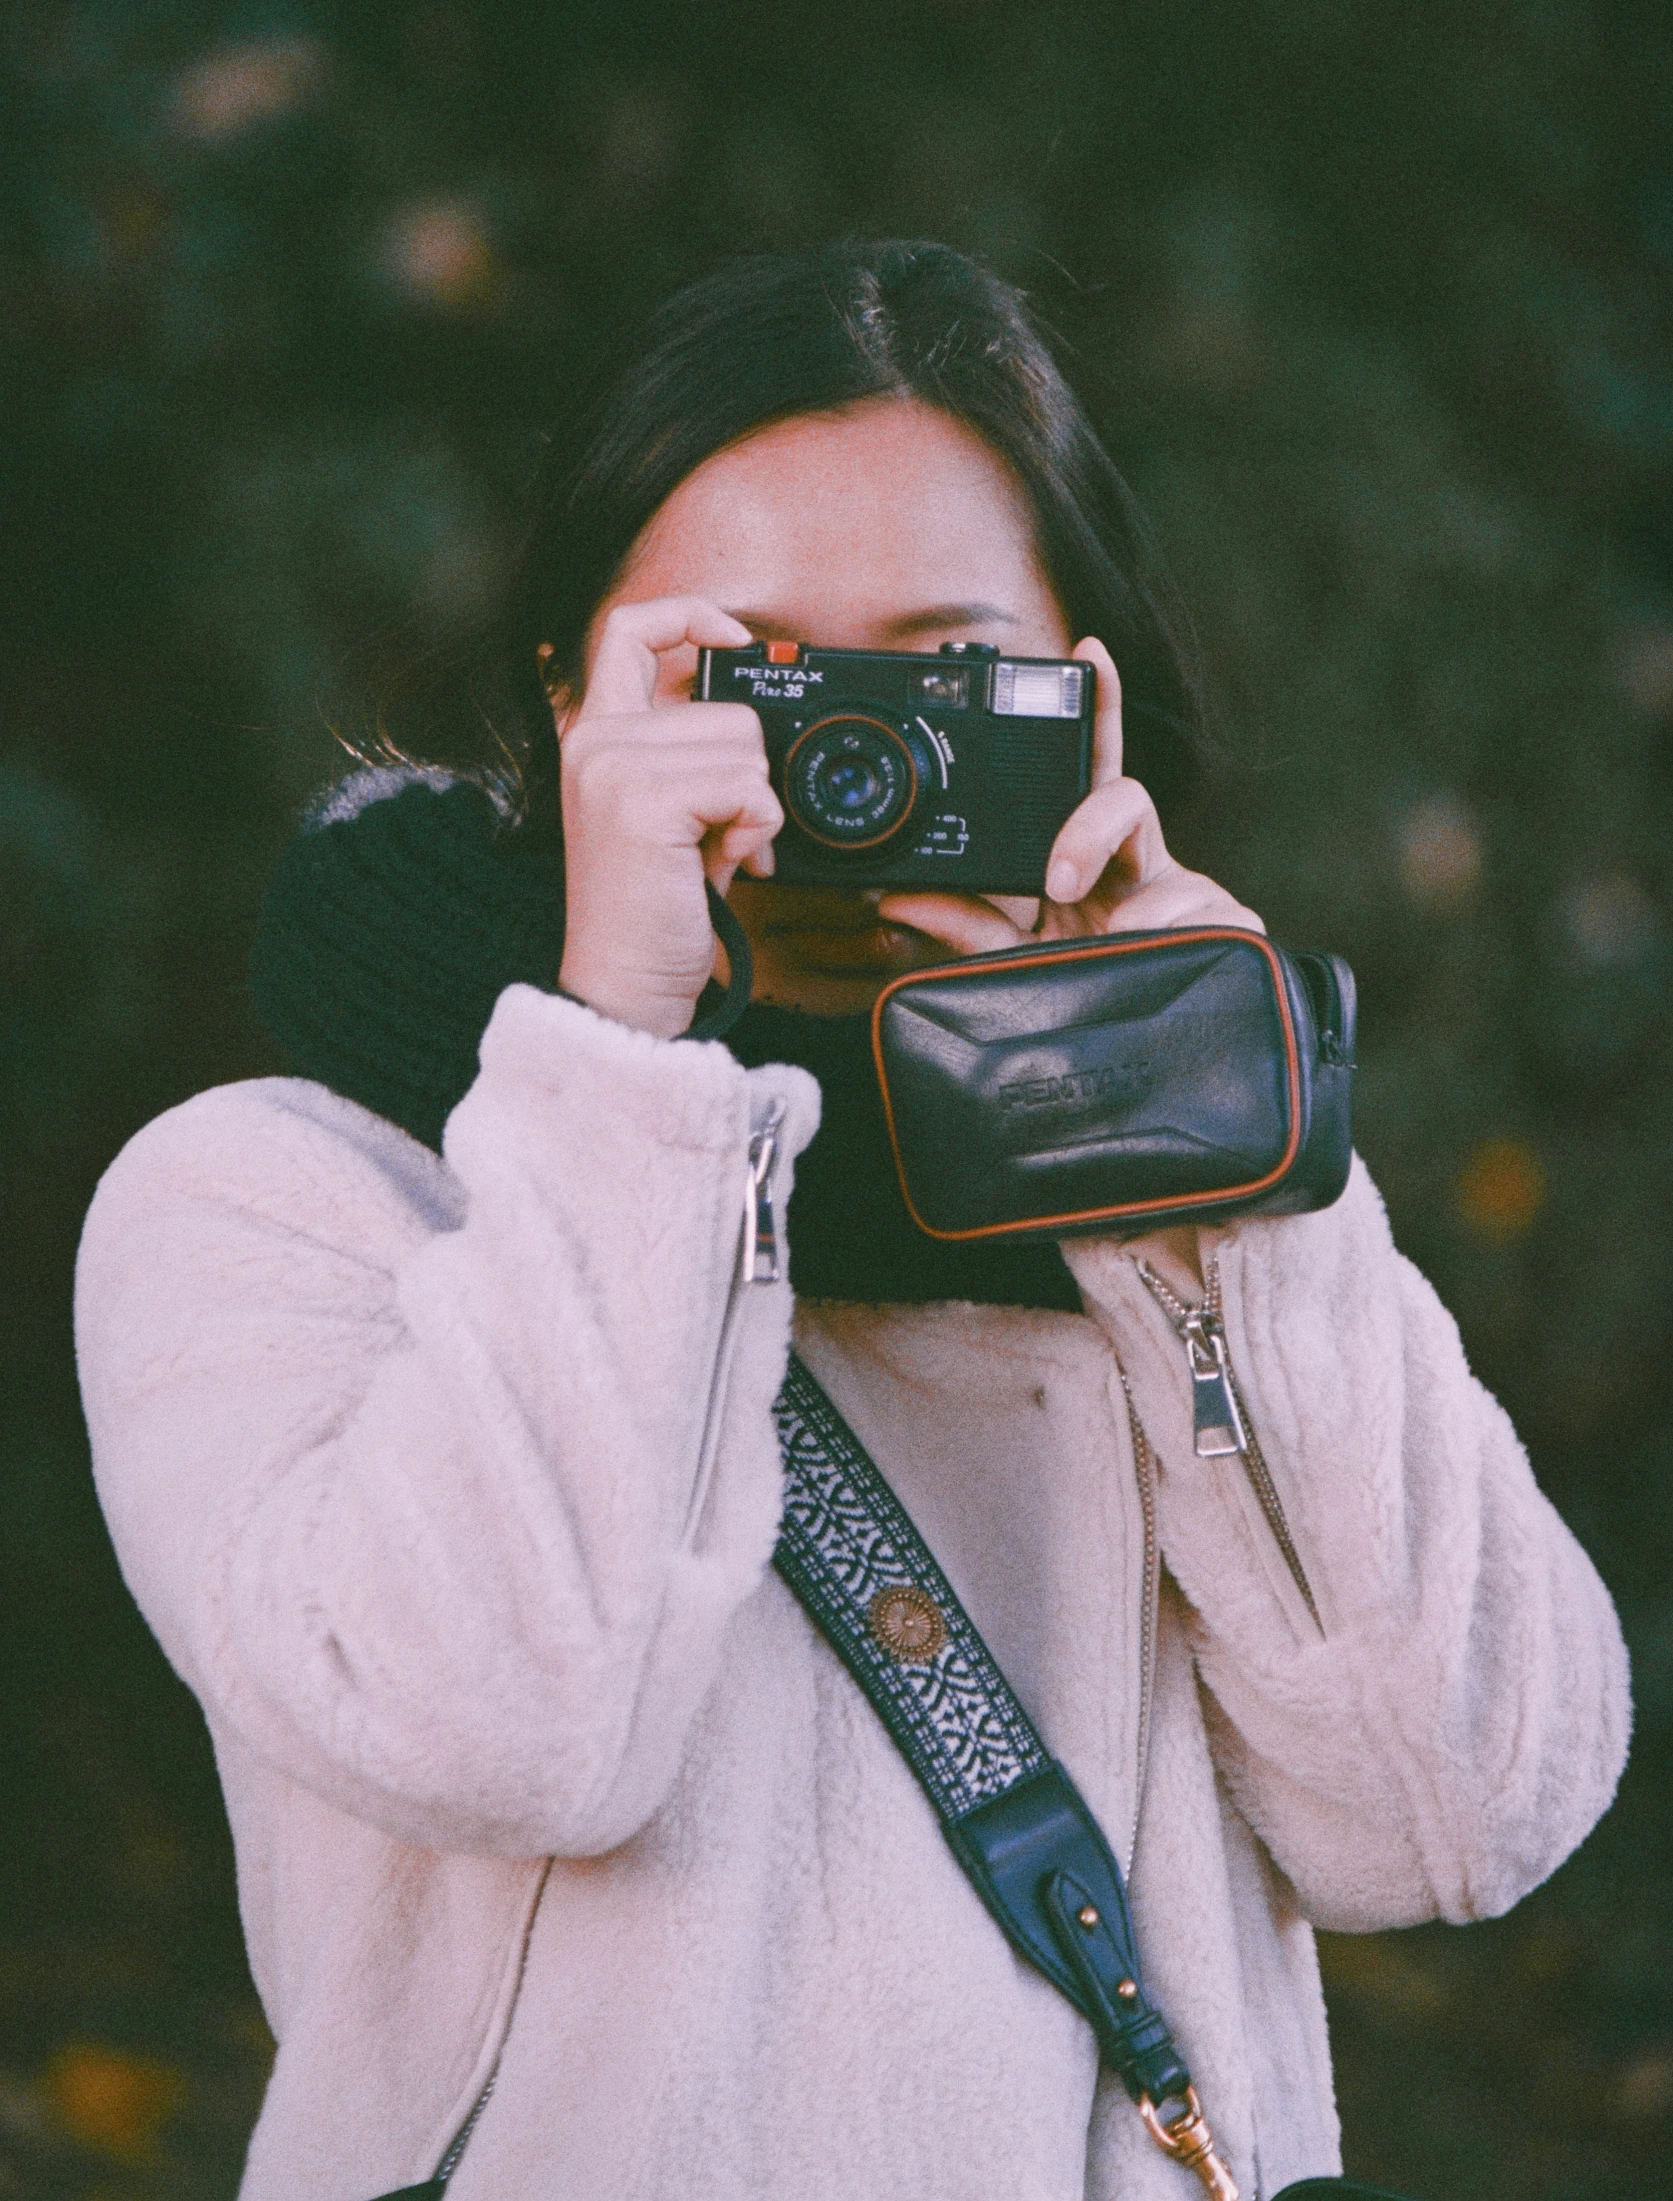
<point x="898" y="769"/>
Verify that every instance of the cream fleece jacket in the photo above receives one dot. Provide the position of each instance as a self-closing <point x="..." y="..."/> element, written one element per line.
<point x="398" y="1454"/>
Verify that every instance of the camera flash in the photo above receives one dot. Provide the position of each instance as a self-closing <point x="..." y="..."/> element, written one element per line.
<point x="1037" y="691"/>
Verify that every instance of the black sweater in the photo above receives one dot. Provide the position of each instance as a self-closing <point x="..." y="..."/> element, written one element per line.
<point x="387" y="936"/>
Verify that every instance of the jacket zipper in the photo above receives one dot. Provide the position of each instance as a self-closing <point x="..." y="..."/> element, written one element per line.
<point x="759" y="1261"/>
<point x="450" y="2161"/>
<point x="456" y="2146"/>
<point x="1219" y="1413"/>
<point x="1144" y="1471"/>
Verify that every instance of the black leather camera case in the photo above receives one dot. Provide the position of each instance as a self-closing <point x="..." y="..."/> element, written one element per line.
<point x="1118" y="1084"/>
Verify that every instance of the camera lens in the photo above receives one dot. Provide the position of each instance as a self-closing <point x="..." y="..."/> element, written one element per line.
<point x="850" y="782"/>
<point x="849" y="785"/>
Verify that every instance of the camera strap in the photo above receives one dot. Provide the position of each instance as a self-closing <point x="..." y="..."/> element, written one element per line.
<point x="1012" y="1816"/>
<point x="740" y="964"/>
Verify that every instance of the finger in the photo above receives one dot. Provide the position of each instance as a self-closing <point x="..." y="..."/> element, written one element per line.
<point x="643" y="740"/>
<point x="1179" y="898"/>
<point x="744" y="847"/>
<point x="645" y="799"/>
<point x="630" y="765"/>
<point x="1107" y="739"/>
<point x="966" y="923"/>
<point x="633" y="636"/>
<point x="1116" y="821"/>
<point x="741" y="844"/>
<point x="730" y="803"/>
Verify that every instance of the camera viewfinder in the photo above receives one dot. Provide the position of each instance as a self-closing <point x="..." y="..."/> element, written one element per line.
<point x="948" y="684"/>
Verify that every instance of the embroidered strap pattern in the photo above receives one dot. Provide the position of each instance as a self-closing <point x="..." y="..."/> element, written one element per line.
<point x="1015" y="1821"/>
<point x="845" y="1541"/>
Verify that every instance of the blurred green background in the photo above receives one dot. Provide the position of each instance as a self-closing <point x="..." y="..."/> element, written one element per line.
<point x="1373" y="303"/>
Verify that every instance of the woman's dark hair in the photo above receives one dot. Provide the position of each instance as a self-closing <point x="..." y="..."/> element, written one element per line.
<point x="392" y="928"/>
<point x="776" y="335"/>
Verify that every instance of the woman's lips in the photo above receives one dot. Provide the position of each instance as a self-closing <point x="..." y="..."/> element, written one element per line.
<point x="830" y="932"/>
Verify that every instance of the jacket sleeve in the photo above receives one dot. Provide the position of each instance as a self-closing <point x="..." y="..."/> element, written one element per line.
<point x="1454" y="1720"/>
<point x="399" y="1457"/>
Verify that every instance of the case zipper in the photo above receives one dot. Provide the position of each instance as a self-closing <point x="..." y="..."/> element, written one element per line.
<point x="1219" y="1415"/>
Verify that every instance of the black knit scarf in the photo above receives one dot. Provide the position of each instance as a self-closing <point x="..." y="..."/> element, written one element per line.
<point x="391" y="929"/>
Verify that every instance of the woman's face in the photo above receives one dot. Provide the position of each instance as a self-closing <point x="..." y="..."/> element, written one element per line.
<point x="888" y="526"/>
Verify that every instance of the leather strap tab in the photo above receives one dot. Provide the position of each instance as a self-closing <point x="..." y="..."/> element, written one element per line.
<point x="1040" y="1862"/>
<point x="1132" y="2032"/>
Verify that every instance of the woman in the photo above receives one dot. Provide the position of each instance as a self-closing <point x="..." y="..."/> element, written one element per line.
<point x="535" y="1769"/>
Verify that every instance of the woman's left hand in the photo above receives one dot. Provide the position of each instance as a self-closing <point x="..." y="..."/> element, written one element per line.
<point x="1110" y="870"/>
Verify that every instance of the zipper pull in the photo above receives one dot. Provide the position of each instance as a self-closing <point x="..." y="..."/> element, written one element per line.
<point x="1219" y="1426"/>
<point x="759" y="1261"/>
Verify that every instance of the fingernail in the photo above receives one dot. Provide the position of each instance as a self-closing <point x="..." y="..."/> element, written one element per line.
<point x="1062" y="879"/>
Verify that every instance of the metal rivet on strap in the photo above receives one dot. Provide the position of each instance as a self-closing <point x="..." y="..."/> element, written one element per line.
<point x="1089" y="1916"/>
<point x="909" y="1625"/>
<point x="1127" y="1989"/>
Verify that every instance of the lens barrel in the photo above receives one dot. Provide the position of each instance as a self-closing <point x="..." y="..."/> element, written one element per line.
<point x="850" y="781"/>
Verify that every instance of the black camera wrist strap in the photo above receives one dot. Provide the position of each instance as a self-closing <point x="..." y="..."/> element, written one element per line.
<point x="1013" y="1818"/>
<point x="719" y="1020"/>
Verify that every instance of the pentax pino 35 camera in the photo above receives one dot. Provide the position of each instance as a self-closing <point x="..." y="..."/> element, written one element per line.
<point x="898" y="769"/>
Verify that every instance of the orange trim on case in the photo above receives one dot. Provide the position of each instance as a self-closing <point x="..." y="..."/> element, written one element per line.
<point x="1105" y="944"/>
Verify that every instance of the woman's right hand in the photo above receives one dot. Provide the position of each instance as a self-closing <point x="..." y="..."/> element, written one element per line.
<point x="656" y="798"/>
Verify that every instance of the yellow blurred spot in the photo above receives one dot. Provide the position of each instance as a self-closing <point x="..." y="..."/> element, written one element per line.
<point x="245" y="84"/>
<point x="1501" y="1189"/>
<point x="1645" y="2087"/>
<point x="110" y="2101"/>
<point x="1440" y="852"/>
<point x="441" y="253"/>
<point x="133" y="222"/>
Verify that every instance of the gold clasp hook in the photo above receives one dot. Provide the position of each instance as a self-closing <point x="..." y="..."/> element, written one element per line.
<point x="1188" y="2140"/>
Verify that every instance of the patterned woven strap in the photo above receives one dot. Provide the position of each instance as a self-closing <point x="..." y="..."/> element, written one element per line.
<point x="1014" y="1819"/>
<point x="848" y="1549"/>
